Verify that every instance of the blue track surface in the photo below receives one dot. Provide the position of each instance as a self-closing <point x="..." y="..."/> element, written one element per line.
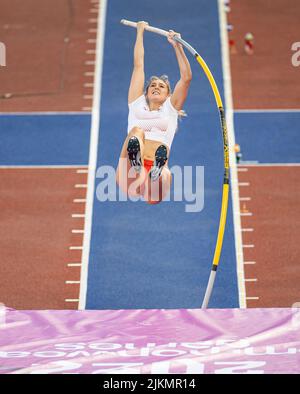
<point x="44" y="139"/>
<point x="268" y="137"/>
<point x="160" y="256"/>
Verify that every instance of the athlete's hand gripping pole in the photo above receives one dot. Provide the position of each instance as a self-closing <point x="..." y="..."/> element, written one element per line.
<point x="225" y="193"/>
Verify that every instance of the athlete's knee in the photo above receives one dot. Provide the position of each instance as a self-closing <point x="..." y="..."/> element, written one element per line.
<point x="138" y="132"/>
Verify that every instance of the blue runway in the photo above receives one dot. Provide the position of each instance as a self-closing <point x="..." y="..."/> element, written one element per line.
<point x="159" y="256"/>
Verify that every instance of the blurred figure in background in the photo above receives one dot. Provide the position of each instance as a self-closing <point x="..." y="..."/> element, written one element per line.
<point x="249" y="43"/>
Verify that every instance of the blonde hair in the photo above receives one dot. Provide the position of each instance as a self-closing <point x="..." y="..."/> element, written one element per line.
<point x="165" y="79"/>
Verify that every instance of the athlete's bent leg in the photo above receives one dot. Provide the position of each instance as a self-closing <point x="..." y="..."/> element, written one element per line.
<point x="126" y="175"/>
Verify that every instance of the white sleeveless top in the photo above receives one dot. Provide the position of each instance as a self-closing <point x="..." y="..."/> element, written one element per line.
<point x="158" y="125"/>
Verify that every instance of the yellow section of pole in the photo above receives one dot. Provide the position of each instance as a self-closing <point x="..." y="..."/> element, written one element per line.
<point x="221" y="225"/>
<point x="225" y="194"/>
<point x="211" y="80"/>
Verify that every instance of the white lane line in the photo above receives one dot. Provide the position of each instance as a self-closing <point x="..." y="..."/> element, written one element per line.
<point x="245" y="111"/>
<point x="88" y="85"/>
<point x="71" y="300"/>
<point x="75" y="247"/>
<point x="91" y="40"/>
<point x="87" y="109"/>
<point x="80" y="186"/>
<point x="94" y="136"/>
<point x="242" y="169"/>
<point x="248" y="246"/>
<point x="89" y="63"/>
<point x="245" y="198"/>
<point x="247" y="229"/>
<point x="232" y="158"/>
<point x="274" y="165"/>
<point x="77" y="231"/>
<point x="249" y="262"/>
<point x="78" y="215"/>
<point x="41" y="113"/>
<point x="88" y="97"/>
<point x="252" y="298"/>
<point x="42" y="167"/>
<point x="246" y="214"/>
<point x="82" y="171"/>
<point x="79" y="200"/>
<point x="74" y="265"/>
<point x="72" y="282"/>
<point x="251" y="280"/>
<point x="90" y="51"/>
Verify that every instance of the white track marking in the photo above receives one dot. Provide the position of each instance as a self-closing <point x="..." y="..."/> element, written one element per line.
<point x="244" y="184"/>
<point x="274" y="110"/>
<point x="80" y="186"/>
<point x="274" y="165"/>
<point x="94" y="135"/>
<point x="41" y="167"/>
<point x="42" y="113"/>
<point x="232" y="158"/>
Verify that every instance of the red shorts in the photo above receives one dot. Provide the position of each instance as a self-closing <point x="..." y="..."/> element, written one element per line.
<point x="148" y="165"/>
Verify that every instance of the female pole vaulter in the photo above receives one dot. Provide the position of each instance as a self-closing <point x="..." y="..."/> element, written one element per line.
<point x="152" y="123"/>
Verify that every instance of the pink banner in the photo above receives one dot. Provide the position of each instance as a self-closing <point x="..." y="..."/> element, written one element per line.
<point x="195" y="341"/>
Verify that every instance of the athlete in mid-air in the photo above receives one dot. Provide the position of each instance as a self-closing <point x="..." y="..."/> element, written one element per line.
<point x="152" y="123"/>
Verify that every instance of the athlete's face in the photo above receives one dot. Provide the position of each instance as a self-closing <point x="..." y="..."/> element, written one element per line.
<point x="158" y="91"/>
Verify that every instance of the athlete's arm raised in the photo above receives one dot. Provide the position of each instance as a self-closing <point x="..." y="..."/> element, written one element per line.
<point x="181" y="89"/>
<point x="136" y="88"/>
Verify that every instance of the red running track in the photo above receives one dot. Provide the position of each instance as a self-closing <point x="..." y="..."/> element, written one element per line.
<point x="270" y="220"/>
<point x="39" y="263"/>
